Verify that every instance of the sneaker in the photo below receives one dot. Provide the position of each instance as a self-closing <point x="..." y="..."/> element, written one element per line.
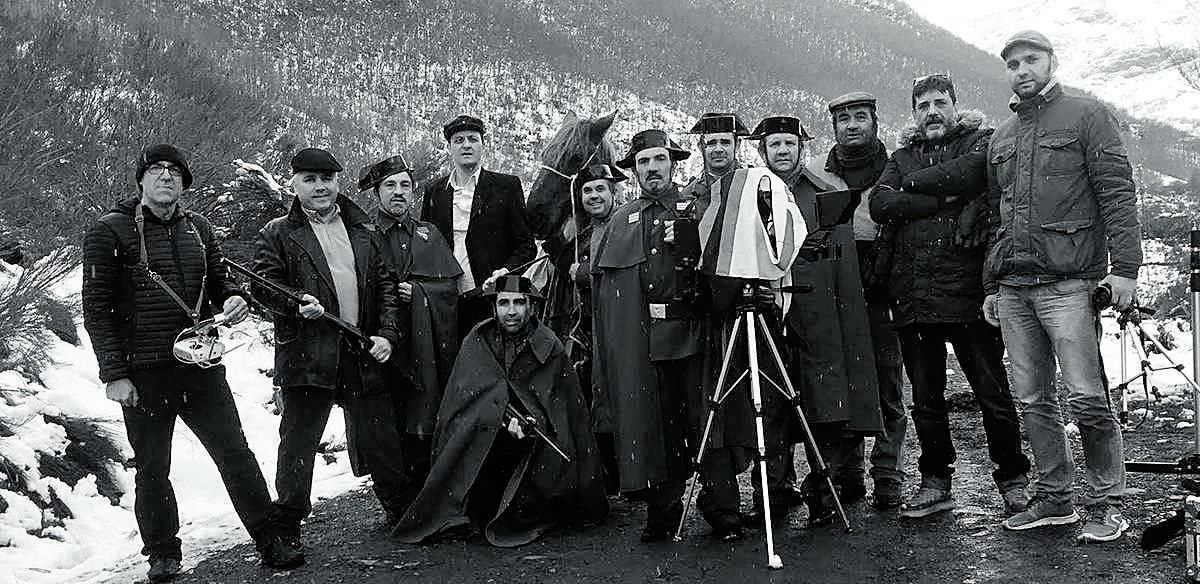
<point x="1016" y="500"/>
<point x="1105" y="523"/>
<point x="887" y="494"/>
<point x="928" y="500"/>
<point x="1042" y="512"/>
<point x="163" y="569"/>
<point x="277" y="553"/>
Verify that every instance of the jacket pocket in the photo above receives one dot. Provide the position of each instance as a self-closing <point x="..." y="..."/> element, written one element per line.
<point x="1071" y="246"/>
<point x="1060" y="153"/>
<point x="1001" y="158"/>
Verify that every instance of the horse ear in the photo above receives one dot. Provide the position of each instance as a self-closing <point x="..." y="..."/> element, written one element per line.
<point x="601" y="125"/>
<point x="570" y="117"/>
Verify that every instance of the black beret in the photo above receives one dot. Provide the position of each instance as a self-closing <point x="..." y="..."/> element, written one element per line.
<point x="715" y="123"/>
<point x="370" y="176"/>
<point x="780" y="125"/>
<point x="647" y="139"/>
<point x="315" y="160"/>
<point x="163" y="153"/>
<point x="460" y="124"/>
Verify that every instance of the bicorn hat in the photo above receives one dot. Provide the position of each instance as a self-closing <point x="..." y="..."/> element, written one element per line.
<point x="716" y="123"/>
<point x="780" y="125"/>
<point x="514" y="283"/>
<point x="647" y="139"/>
<point x="370" y="176"/>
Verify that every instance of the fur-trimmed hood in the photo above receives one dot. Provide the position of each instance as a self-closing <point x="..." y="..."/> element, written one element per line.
<point x="968" y="120"/>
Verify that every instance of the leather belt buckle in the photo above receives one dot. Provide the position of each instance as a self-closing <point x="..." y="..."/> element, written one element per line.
<point x="658" y="311"/>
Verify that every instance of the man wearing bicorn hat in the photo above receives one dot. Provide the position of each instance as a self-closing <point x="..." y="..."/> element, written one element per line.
<point x="1061" y="187"/>
<point x="649" y="317"/>
<point x="480" y="213"/>
<point x="150" y="270"/>
<point x="832" y="363"/>
<point x="426" y="275"/>
<point x="327" y="251"/>
<point x="492" y="471"/>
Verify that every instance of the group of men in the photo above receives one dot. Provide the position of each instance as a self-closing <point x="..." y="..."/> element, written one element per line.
<point x="468" y="412"/>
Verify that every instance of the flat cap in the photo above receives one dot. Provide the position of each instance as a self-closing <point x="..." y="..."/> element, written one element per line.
<point x="315" y="160"/>
<point x="462" y="123"/>
<point x="647" y="139"/>
<point x="716" y="123"/>
<point x="370" y="176"/>
<point x="1027" y="37"/>
<point x="514" y="283"/>
<point x="779" y="125"/>
<point x="852" y="98"/>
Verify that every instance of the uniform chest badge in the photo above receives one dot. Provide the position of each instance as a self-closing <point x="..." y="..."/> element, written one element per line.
<point x="423" y="233"/>
<point x="635" y="217"/>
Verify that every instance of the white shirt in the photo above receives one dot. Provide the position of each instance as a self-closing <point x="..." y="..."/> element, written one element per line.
<point x="339" y="254"/>
<point x="464" y="196"/>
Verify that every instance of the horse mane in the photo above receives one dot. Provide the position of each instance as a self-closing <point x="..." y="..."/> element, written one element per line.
<point x="573" y="140"/>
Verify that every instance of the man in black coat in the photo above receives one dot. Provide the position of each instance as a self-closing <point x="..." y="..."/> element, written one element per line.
<point x="929" y="198"/>
<point x="481" y="214"/>
<point x="326" y="251"/>
<point x="133" y="318"/>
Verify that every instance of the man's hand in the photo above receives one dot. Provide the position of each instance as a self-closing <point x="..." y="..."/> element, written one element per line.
<point x="404" y="289"/>
<point x="490" y="282"/>
<point x="990" y="313"/>
<point x="122" y="391"/>
<point x="382" y="349"/>
<point x="235" y="309"/>
<point x="312" y="307"/>
<point x="514" y="428"/>
<point x="1124" y="290"/>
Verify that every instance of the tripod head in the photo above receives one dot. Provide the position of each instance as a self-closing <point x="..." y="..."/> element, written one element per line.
<point x="1133" y="313"/>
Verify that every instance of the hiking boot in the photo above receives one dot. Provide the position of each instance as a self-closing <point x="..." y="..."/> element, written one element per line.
<point x="1042" y="512"/>
<point x="1104" y="523"/>
<point x="887" y="494"/>
<point x="277" y="553"/>
<point x="931" y="498"/>
<point x="1016" y="500"/>
<point x="163" y="569"/>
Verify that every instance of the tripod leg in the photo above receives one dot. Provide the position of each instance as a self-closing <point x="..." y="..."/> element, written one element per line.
<point x="822" y="468"/>
<point x="1123" y="412"/>
<point x="713" y="404"/>
<point x="773" y="559"/>
<point x="1163" y="351"/>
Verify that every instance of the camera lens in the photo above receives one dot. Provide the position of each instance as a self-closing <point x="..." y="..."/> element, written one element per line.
<point x="1102" y="297"/>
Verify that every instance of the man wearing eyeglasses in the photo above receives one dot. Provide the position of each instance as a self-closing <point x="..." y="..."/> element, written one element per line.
<point x="931" y="191"/>
<point x="133" y="318"/>
<point x="1062" y="190"/>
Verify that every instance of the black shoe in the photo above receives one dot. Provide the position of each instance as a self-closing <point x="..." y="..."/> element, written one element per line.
<point x="163" y="569"/>
<point x="726" y="527"/>
<point x="850" y="490"/>
<point x="661" y="522"/>
<point x="280" y="554"/>
<point x="887" y="494"/>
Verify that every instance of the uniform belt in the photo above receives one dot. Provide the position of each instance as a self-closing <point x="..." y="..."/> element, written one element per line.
<point x="671" y="310"/>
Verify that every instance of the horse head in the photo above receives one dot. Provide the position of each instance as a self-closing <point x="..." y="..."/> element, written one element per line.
<point x="578" y="143"/>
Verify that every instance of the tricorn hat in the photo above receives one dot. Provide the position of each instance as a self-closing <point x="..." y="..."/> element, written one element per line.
<point x="514" y="283"/>
<point x="462" y="123"/>
<point x="163" y="153"/>
<point x="647" y="139"/>
<point x="315" y="160"/>
<point x="716" y="123"/>
<point x="599" y="171"/>
<point x="780" y="125"/>
<point x="371" y="175"/>
<point x="1032" y="38"/>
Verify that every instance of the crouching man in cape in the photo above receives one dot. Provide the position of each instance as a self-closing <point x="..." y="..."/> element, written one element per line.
<point x="491" y="470"/>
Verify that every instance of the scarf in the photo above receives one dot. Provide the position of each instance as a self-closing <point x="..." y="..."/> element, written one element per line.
<point x="860" y="166"/>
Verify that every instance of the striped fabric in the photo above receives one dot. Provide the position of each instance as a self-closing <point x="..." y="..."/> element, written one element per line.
<point x="733" y="238"/>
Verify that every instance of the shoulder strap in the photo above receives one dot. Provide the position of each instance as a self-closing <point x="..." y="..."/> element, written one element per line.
<point x="139" y="219"/>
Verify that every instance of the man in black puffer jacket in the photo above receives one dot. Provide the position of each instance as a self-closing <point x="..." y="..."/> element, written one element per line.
<point x="133" y="321"/>
<point x="930" y="198"/>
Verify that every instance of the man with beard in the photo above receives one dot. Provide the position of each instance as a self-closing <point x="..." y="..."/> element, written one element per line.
<point x="490" y="470"/>
<point x="931" y="184"/>
<point x="855" y="162"/>
<point x="426" y="276"/>
<point x="1062" y="189"/>
<point x="649" y="334"/>
<point x="326" y="251"/>
<point x="827" y="333"/>
<point x="481" y="214"/>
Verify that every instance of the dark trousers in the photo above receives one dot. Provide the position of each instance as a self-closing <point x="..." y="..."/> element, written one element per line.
<point x="373" y="442"/>
<point x="201" y="398"/>
<point x="978" y="348"/>
<point x="887" y="461"/>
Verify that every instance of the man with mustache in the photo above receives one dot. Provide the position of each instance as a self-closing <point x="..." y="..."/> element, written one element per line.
<point x="1063" y="193"/>
<point x="649" y="317"/>
<point x="426" y="276"/>
<point x="930" y="190"/>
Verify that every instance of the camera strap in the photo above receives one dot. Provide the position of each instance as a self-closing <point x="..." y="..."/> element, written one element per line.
<point x="139" y="219"/>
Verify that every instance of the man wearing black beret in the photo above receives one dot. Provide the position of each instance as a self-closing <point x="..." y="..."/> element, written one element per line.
<point x="481" y="214"/>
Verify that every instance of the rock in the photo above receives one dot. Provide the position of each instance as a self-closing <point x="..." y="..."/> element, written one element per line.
<point x="962" y="401"/>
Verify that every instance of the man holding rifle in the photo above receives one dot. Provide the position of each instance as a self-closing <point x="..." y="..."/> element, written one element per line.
<point x="324" y="253"/>
<point x="513" y="452"/>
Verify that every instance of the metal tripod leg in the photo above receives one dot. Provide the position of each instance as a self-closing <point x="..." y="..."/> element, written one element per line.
<point x="773" y="559"/>
<point x="790" y="393"/>
<point x="713" y="404"/>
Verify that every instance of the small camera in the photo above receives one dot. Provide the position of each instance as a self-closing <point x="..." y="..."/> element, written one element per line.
<point x="1102" y="296"/>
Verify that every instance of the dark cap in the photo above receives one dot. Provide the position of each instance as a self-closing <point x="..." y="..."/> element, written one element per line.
<point x="461" y="124"/>
<point x="647" y="139"/>
<point x="370" y="176"/>
<point x="716" y="123"/>
<point x="599" y="171"/>
<point x="852" y="98"/>
<point x="513" y="283"/>
<point x="162" y="153"/>
<point x="780" y="125"/>
<point x="1027" y="37"/>
<point x="315" y="160"/>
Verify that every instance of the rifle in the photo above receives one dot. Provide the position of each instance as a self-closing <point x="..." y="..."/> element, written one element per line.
<point x="528" y="424"/>
<point x="353" y="332"/>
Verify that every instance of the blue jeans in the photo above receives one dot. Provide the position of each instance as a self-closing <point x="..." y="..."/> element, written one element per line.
<point x="1042" y="324"/>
